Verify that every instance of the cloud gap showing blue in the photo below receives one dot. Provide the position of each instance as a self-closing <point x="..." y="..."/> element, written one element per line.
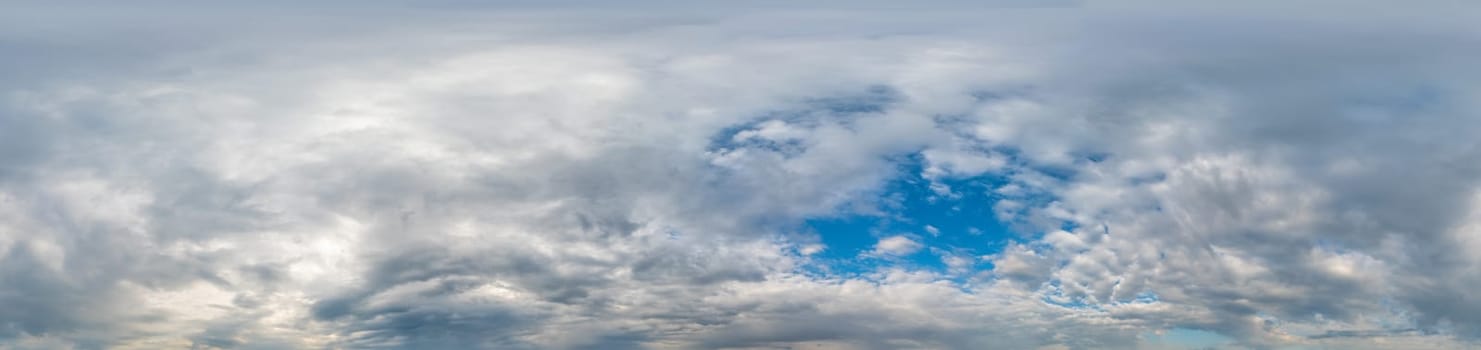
<point x="961" y="225"/>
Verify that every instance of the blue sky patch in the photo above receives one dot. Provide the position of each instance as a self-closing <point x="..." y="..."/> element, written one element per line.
<point x="1186" y="338"/>
<point x="961" y="225"/>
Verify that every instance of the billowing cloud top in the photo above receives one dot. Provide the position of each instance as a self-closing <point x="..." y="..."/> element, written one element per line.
<point x="666" y="175"/>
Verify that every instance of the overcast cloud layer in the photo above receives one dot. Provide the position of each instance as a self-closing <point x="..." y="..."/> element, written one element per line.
<point x="569" y="175"/>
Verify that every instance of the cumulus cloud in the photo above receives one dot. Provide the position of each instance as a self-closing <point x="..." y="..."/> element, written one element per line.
<point x="568" y="176"/>
<point x="896" y="245"/>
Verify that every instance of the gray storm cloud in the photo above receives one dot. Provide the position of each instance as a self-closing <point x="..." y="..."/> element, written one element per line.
<point x="512" y="175"/>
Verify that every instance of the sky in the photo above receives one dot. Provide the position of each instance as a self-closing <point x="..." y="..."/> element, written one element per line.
<point x="581" y="174"/>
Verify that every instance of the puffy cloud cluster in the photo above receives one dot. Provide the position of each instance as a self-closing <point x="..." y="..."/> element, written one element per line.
<point x="457" y="176"/>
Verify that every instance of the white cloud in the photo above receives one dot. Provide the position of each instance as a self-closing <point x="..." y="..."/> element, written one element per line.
<point x="811" y="249"/>
<point x="584" y="179"/>
<point x="896" y="245"/>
